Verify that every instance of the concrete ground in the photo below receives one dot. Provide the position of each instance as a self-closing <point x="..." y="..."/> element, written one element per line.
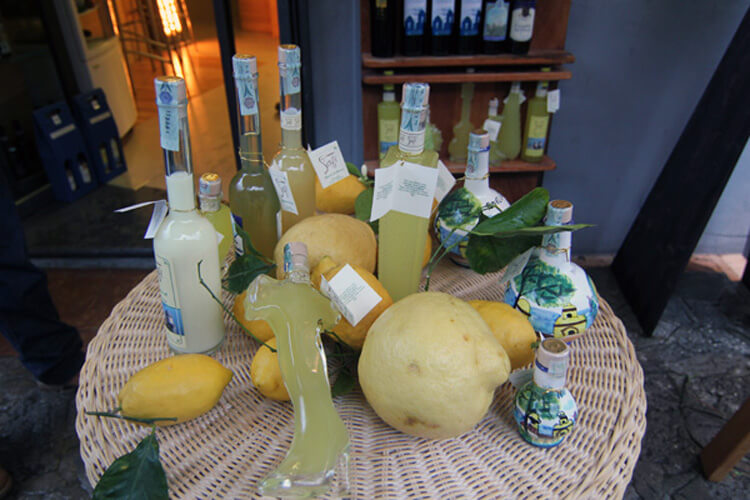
<point x="696" y="367"/>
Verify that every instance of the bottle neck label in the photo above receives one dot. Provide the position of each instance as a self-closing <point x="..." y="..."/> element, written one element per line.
<point x="210" y="203"/>
<point x="411" y="134"/>
<point x="291" y="119"/>
<point x="551" y="375"/>
<point x="170" y="120"/>
<point x="247" y="95"/>
<point x="477" y="165"/>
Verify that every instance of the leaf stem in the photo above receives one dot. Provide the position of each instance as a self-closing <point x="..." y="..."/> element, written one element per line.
<point x="109" y="414"/>
<point x="432" y="263"/>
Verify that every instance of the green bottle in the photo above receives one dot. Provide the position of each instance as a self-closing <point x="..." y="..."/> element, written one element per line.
<point x="509" y="138"/>
<point x="462" y="129"/>
<point x="389" y="113"/>
<point x="537" y="124"/>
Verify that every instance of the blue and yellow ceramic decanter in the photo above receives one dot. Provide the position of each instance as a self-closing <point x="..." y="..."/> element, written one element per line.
<point x="557" y="295"/>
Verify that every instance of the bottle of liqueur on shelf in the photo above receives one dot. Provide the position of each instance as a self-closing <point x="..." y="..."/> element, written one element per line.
<point x="442" y="23"/>
<point x="509" y="138"/>
<point x="415" y="27"/>
<point x="469" y="26"/>
<point x="194" y="321"/>
<point x="383" y="25"/>
<point x="433" y="137"/>
<point x="252" y="197"/>
<point x="459" y="143"/>
<point x="492" y="125"/>
<point x="537" y="124"/>
<point x="389" y="113"/>
<point x="521" y="26"/>
<point x="217" y="213"/>
<point x="403" y="236"/>
<point x="291" y="170"/>
<point x="495" y="30"/>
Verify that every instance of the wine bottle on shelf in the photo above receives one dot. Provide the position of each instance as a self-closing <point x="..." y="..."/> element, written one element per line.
<point x="185" y="238"/>
<point x="383" y="24"/>
<point x="462" y="129"/>
<point x="252" y="198"/>
<point x="389" y="113"/>
<point x="495" y="30"/>
<point x="415" y="27"/>
<point x="537" y="124"/>
<point x="509" y="137"/>
<point x="521" y="26"/>
<point x="291" y="170"/>
<point x="469" y="26"/>
<point x="217" y="213"/>
<point x="442" y="24"/>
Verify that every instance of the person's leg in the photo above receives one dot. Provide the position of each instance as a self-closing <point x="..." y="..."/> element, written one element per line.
<point x="48" y="348"/>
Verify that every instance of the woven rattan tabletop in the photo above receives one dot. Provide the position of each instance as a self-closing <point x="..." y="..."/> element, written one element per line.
<point x="224" y="453"/>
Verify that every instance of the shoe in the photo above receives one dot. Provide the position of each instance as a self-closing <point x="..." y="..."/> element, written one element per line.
<point x="6" y="483"/>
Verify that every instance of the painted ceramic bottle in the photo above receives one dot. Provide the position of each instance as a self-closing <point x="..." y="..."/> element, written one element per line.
<point x="557" y="295"/>
<point x="460" y="210"/>
<point x="545" y="410"/>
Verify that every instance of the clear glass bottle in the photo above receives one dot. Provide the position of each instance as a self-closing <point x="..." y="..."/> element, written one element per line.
<point x="509" y="137"/>
<point x="213" y="209"/>
<point x="403" y="236"/>
<point x="462" y="129"/>
<point x="537" y="124"/>
<point x="495" y="156"/>
<point x="194" y="322"/>
<point x="252" y="197"/>
<point x="389" y="113"/>
<point x="298" y="313"/>
<point x="291" y="169"/>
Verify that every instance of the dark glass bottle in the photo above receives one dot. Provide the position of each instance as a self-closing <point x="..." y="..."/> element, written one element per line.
<point x="382" y="27"/>
<point x="442" y="15"/>
<point x="414" y="27"/>
<point x="469" y="26"/>
<point x="495" y="17"/>
<point x="521" y="25"/>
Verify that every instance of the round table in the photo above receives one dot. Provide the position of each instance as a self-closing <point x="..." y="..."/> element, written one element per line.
<point x="224" y="453"/>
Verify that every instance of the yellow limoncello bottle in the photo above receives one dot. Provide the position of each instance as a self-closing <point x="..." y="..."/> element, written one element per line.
<point x="252" y="197"/>
<point x="403" y="236"/>
<point x="213" y="209"/>
<point x="509" y="138"/>
<point x="297" y="314"/>
<point x="495" y="156"/>
<point x="537" y="124"/>
<point x="291" y="169"/>
<point x="462" y="129"/>
<point x="389" y="113"/>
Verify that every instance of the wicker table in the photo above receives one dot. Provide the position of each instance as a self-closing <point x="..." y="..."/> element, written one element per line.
<point x="224" y="453"/>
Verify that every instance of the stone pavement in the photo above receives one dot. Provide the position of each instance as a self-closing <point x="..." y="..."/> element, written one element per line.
<point x="696" y="366"/>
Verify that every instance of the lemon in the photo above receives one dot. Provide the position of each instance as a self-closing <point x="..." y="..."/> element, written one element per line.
<point x="266" y="373"/>
<point x="338" y="197"/>
<point x="259" y="327"/>
<point x="183" y="386"/>
<point x="354" y="336"/>
<point x="430" y="366"/>
<point x="325" y="265"/>
<point x="511" y="328"/>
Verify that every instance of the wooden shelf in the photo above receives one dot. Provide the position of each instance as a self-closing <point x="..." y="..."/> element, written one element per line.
<point x="509" y="167"/>
<point x="535" y="57"/>
<point x="371" y="77"/>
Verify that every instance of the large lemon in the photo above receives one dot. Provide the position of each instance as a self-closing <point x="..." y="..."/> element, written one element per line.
<point x="265" y="373"/>
<point x="430" y="365"/>
<point x="325" y="265"/>
<point x="183" y="386"/>
<point x="511" y="328"/>
<point x="258" y="327"/>
<point x="338" y="197"/>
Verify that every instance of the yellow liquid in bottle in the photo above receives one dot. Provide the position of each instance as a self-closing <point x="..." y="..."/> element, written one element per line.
<point x="253" y="200"/>
<point x="535" y="131"/>
<point x="321" y="441"/>
<point x="222" y="222"/>
<point x="293" y="160"/>
<point x="389" y="115"/>
<point x="459" y="143"/>
<point x="509" y="138"/>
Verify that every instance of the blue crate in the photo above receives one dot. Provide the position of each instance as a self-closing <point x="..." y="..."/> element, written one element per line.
<point x="63" y="152"/>
<point x="100" y="132"/>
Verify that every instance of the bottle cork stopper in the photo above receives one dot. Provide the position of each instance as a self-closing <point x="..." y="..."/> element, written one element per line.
<point x="289" y="55"/>
<point x="559" y="212"/>
<point x="551" y="363"/>
<point x="170" y="90"/>
<point x="209" y="184"/>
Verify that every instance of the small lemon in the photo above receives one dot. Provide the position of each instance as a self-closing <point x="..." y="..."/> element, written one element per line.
<point x="259" y="327"/>
<point x="338" y="197"/>
<point x="511" y="328"/>
<point x="266" y="373"/>
<point x="325" y="265"/>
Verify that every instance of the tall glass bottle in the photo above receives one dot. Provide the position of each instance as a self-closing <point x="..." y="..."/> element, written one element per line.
<point x="252" y="197"/>
<point x="212" y="208"/>
<point x="402" y="236"/>
<point x="462" y="129"/>
<point x="442" y="26"/>
<point x="291" y="168"/>
<point x="415" y="27"/>
<point x="509" y="138"/>
<point x="194" y="322"/>
<point x="297" y="314"/>
<point x="495" y="30"/>
<point x="433" y="137"/>
<point x="382" y="26"/>
<point x="469" y="26"/>
<point x="521" y="28"/>
<point x="495" y="157"/>
<point x="389" y="113"/>
<point x="537" y="124"/>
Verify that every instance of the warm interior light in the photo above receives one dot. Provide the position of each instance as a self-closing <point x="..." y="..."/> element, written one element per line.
<point x="113" y="17"/>
<point x="170" y="19"/>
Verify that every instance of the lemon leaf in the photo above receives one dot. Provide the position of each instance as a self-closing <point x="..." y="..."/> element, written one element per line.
<point x="526" y="212"/>
<point x="363" y="207"/>
<point x="243" y="271"/>
<point x="136" y="475"/>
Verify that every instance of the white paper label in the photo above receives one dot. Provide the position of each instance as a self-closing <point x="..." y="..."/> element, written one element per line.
<point x="351" y="294"/>
<point x="516" y="266"/>
<point x="169" y="128"/>
<point x="407" y="188"/>
<point x="522" y="27"/>
<point x="493" y="128"/>
<point x="445" y="181"/>
<point x="291" y="119"/>
<point x="411" y="142"/>
<point x="219" y="237"/>
<point x="248" y="96"/>
<point x="329" y="164"/>
<point x="280" y="181"/>
<point x="157" y="216"/>
<point x="553" y="100"/>
<point x="520" y="378"/>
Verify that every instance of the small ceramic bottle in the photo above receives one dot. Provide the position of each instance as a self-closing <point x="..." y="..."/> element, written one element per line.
<point x="557" y="295"/>
<point x="545" y="410"/>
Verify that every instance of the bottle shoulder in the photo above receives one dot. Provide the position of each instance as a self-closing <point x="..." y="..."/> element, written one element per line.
<point x="185" y="226"/>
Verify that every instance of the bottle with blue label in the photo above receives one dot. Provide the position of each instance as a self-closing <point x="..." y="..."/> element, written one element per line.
<point x="469" y="26"/>
<point x="442" y="16"/>
<point x="495" y="26"/>
<point x="194" y="322"/>
<point x="414" y="22"/>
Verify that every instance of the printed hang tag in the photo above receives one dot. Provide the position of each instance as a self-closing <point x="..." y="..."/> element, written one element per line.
<point x="553" y="100"/>
<point x="520" y="378"/>
<point x="329" y="164"/>
<point x="516" y="266"/>
<point x="493" y="128"/>
<point x="445" y="181"/>
<point x="280" y="181"/>
<point x="407" y="188"/>
<point x="157" y="216"/>
<point x="291" y="119"/>
<point x="351" y="294"/>
<point x="169" y="128"/>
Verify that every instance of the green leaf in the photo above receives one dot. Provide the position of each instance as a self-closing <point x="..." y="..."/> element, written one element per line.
<point x="487" y="254"/>
<point x="526" y="212"/>
<point x="248" y="244"/>
<point x="363" y="207"/>
<point x="539" y="230"/>
<point x="138" y="475"/>
<point x="344" y="383"/>
<point x="243" y="271"/>
<point x="352" y="168"/>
